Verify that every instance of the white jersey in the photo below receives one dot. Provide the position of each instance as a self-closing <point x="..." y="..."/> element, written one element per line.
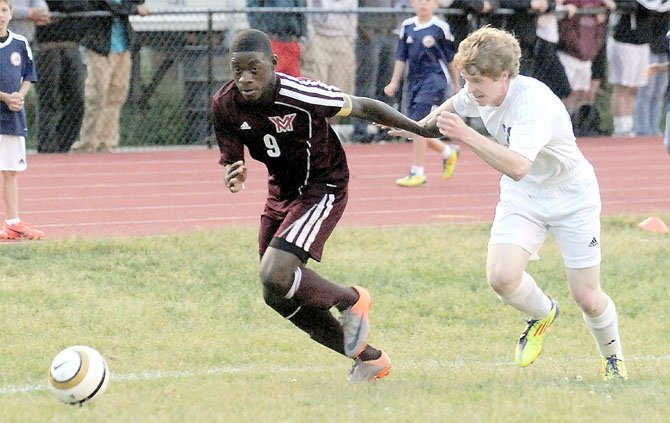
<point x="533" y="122"/>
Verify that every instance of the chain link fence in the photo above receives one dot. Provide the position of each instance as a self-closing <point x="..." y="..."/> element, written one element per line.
<point x="179" y="61"/>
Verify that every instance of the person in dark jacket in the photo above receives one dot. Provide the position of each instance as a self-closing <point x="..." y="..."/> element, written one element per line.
<point x="107" y="40"/>
<point x="60" y="95"/>
<point x="523" y="24"/>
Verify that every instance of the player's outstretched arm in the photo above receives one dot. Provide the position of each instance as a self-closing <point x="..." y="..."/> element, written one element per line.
<point x="383" y="114"/>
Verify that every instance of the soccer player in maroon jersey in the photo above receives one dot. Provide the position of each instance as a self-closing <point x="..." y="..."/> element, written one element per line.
<point x="283" y="121"/>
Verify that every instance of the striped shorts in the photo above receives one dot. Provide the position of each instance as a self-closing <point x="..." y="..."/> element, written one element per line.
<point x="302" y="225"/>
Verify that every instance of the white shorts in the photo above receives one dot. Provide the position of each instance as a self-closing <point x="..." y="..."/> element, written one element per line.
<point x="578" y="71"/>
<point x="627" y="63"/>
<point x="570" y="212"/>
<point x="13" y="153"/>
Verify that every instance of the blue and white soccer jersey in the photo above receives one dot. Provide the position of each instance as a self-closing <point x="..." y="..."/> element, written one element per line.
<point x="17" y="65"/>
<point x="427" y="49"/>
<point x="560" y="191"/>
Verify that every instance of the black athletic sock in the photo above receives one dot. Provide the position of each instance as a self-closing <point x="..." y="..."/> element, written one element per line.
<point x="318" y="292"/>
<point x="321" y="326"/>
<point x="369" y="353"/>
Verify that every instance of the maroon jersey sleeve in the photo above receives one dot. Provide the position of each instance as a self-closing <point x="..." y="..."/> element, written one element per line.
<point x="230" y="145"/>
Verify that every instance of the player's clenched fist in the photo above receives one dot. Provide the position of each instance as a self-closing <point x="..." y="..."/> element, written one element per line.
<point x="451" y="124"/>
<point x="235" y="176"/>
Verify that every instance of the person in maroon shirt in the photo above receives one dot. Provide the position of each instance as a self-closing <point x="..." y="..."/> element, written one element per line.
<point x="283" y="122"/>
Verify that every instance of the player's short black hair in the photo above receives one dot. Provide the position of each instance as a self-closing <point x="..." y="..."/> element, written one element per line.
<point x="251" y="40"/>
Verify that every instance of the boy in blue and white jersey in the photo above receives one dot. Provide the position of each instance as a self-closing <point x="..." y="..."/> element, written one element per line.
<point x="426" y="47"/>
<point x="17" y="72"/>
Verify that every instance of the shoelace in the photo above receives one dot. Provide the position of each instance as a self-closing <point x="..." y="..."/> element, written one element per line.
<point x="612" y="365"/>
<point x="530" y="323"/>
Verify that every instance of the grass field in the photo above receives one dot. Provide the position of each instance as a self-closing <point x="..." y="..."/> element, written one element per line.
<point x="187" y="336"/>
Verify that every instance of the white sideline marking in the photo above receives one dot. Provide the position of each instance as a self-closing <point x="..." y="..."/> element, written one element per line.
<point x="36" y="387"/>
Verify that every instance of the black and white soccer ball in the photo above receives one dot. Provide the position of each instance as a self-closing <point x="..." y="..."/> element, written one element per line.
<point x="78" y="374"/>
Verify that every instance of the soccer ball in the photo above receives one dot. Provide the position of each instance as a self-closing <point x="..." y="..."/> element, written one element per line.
<point x="78" y="374"/>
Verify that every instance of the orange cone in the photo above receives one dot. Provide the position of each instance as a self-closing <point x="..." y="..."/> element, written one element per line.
<point x="654" y="224"/>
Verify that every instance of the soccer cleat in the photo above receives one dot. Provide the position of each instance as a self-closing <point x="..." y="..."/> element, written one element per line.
<point x="3" y="234"/>
<point x="450" y="164"/>
<point x="22" y="230"/>
<point x="371" y="370"/>
<point x="412" y="180"/>
<point x="356" y="324"/>
<point x="612" y="368"/>
<point x="530" y="341"/>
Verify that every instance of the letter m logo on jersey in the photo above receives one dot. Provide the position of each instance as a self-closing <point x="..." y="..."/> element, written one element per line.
<point x="283" y="123"/>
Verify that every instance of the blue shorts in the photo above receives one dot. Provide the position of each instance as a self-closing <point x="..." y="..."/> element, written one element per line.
<point x="426" y="95"/>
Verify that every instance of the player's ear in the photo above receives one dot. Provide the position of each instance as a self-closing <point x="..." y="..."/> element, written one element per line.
<point x="275" y="60"/>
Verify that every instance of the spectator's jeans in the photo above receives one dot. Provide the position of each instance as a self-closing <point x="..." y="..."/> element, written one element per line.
<point x="649" y="101"/>
<point x="106" y="91"/>
<point x="666" y="139"/>
<point x="375" y="61"/>
<point x="60" y="97"/>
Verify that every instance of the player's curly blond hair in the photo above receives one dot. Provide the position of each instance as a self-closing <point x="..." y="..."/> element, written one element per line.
<point x="489" y="51"/>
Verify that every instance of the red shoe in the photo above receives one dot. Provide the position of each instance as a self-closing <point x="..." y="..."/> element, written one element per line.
<point x="22" y="230"/>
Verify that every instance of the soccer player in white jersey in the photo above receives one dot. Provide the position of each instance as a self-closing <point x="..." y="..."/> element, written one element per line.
<point x="546" y="186"/>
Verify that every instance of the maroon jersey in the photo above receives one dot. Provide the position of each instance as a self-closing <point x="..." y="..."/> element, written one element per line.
<point x="291" y="136"/>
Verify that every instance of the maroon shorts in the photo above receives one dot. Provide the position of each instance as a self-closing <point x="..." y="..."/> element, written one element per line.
<point x="289" y="54"/>
<point x="302" y="225"/>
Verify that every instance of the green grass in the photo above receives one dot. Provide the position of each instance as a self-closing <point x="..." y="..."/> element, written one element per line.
<point x="187" y="336"/>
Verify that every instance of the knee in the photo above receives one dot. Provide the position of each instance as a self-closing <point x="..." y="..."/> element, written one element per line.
<point x="503" y="280"/>
<point x="276" y="279"/>
<point x="278" y="303"/>
<point x="591" y="301"/>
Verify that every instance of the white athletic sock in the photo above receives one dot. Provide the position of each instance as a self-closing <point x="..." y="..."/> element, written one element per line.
<point x="529" y="298"/>
<point x="12" y="222"/>
<point x="417" y="170"/>
<point x="623" y="125"/>
<point x="605" y="331"/>
<point x="446" y="153"/>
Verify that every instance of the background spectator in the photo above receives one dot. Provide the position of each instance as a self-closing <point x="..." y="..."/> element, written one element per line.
<point x="329" y="52"/>
<point x="107" y="40"/>
<point x="649" y="100"/>
<point x="287" y="31"/>
<point x="523" y="24"/>
<point x="582" y="37"/>
<point x="664" y="67"/>
<point x="17" y="73"/>
<point x="463" y="24"/>
<point x="60" y="93"/>
<point x="375" y="54"/>
<point x="26" y="14"/>
<point x="546" y="66"/>
<point x="628" y="58"/>
<point x="426" y="50"/>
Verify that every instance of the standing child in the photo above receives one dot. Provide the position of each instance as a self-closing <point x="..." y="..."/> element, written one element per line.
<point x="17" y="71"/>
<point x="426" y="45"/>
<point x="655" y="68"/>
